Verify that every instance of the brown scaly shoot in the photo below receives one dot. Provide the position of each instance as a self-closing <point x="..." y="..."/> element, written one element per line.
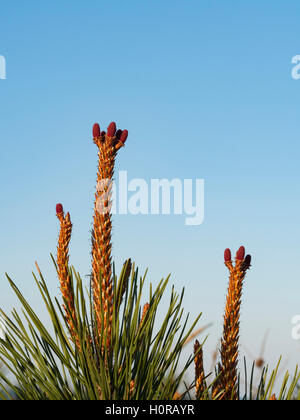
<point x="144" y="314"/>
<point x="62" y="261"/>
<point x="108" y="144"/>
<point x="228" y="380"/>
<point x="200" y="382"/>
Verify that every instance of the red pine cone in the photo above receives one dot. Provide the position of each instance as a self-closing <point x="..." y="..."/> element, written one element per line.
<point x="227" y="255"/>
<point x="111" y="129"/>
<point x="124" y="136"/>
<point x="240" y="255"/>
<point x="59" y="208"/>
<point x="96" y="131"/>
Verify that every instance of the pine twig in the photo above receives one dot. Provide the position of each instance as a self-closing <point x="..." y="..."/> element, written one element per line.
<point x="199" y="371"/>
<point x="228" y="380"/>
<point x="66" y="286"/>
<point x="108" y="144"/>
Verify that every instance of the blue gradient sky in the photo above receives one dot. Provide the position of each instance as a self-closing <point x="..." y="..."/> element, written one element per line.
<point x="205" y="90"/>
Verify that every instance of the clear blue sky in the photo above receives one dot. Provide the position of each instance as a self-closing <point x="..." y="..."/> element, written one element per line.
<point x="205" y="90"/>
